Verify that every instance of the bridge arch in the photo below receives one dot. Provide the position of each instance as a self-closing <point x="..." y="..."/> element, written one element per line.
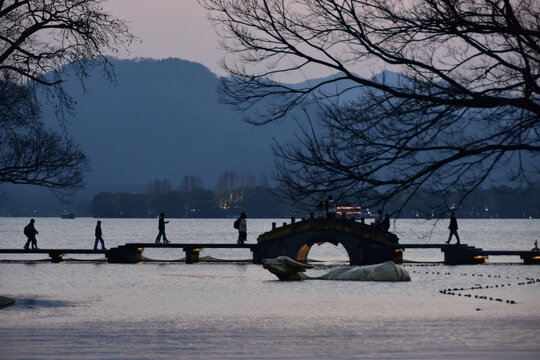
<point x="363" y="243"/>
<point x="302" y="244"/>
<point x="323" y="249"/>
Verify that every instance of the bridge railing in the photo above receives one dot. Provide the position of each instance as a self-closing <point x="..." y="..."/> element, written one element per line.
<point x="323" y="224"/>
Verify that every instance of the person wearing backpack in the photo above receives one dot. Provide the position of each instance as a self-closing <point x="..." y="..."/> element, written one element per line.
<point x="30" y="232"/>
<point x="241" y="225"/>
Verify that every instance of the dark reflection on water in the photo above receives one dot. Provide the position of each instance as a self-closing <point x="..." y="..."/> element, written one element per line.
<point x="31" y="303"/>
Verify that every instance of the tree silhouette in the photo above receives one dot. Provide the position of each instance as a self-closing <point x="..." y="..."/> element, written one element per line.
<point x="190" y="183"/>
<point x="31" y="154"/>
<point x="38" y="38"/>
<point x="456" y="104"/>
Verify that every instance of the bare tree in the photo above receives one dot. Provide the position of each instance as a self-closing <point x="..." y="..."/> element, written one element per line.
<point x="457" y="102"/>
<point x="30" y="154"/>
<point x="190" y="183"/>
<point x="228" y="181"/>
<point x="158" y="186"/>
<point x="38" y="38"/>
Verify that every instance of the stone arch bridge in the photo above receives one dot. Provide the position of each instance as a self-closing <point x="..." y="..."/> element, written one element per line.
<point x="364" y="243"/>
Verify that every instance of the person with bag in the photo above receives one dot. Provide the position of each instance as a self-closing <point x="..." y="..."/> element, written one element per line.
<point x="241" y="225"/>
<point x="30" y="232"/>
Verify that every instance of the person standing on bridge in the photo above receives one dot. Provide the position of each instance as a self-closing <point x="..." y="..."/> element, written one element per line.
<point x="321" y="210"/>
<point x="99" y="236"/>
<point x="386" y="222"/>
<point x="242" y="229"/>
<point x="378" y="219"/>
<point x="331" y="207"/>
<point x="161" y="228"/>
<point x="453" y="228"/>
<point x="30" y="232"/>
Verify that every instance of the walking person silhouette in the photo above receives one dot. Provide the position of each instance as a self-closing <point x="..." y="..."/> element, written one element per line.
<point x="161" y="228"/>
<point x="31" y="232"/>
<point x="453" y="228"/>
<point x="99" y="236"/>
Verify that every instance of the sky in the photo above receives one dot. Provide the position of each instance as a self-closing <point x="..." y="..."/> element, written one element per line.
<point x="170" y="28"/>
<point x="181" y="29"/>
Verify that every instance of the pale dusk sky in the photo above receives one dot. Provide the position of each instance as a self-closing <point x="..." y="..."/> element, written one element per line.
<point x="181" y="29"/>
<point x="170" y="28"/>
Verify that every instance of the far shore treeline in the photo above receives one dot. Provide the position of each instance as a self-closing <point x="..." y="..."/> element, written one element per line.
<point x="259" y="202"/>
<point x="256" y="197"/>
<point x="265" y="202"/>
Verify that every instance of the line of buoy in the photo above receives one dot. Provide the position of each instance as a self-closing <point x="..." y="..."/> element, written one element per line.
<point x="432" y="273"/>
<point x="480" y="297"/>
<point x="454" y="291"/>
<point x="457" y="291"/>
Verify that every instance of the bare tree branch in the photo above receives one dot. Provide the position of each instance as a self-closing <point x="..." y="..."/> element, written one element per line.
<point x="38" y="39"/>
<point x="461" y="106"/>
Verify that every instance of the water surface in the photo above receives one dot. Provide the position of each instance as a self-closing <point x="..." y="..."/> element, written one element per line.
<point x="170" y="310"/>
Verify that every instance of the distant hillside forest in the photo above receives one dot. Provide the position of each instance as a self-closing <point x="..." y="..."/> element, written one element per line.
<point x="264" y="202"/>
<point x="258" y="202"/>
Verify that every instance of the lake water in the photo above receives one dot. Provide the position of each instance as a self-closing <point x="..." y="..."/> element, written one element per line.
<point x="88" y="309"/>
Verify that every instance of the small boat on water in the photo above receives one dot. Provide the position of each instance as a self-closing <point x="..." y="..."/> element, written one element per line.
<point x="67" y="215"/>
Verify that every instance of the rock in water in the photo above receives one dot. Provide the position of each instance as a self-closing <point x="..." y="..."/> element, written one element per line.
<point x="287" y="269"/>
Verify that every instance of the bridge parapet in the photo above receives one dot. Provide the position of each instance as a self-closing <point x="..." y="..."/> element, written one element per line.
<point x="364" y="243"/>
<point x="320" y="224"/>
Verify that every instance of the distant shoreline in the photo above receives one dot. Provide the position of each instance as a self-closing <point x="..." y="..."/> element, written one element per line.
<point x="83" y="216"/>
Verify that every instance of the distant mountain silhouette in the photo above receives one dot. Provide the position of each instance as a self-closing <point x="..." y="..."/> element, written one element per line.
<point x="163" y="120"/>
